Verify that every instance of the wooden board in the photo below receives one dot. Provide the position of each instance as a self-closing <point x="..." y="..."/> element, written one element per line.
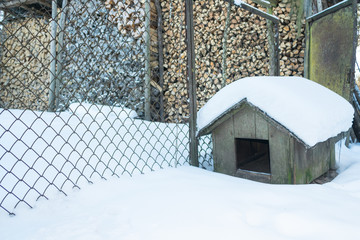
<point x="224" y="148"/>
<point x="244" y="123"/>
<point x="279" y="144"/>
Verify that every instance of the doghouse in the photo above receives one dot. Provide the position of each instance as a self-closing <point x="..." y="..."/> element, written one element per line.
<point x="275" y="129"/>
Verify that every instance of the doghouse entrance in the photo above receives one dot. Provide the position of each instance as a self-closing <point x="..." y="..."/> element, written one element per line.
<point x="252" y="155"/>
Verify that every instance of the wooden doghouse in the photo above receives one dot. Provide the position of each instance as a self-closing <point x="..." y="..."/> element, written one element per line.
<point x="253" y="138"/>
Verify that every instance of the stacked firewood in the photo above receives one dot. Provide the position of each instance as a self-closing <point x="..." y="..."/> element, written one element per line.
<point x="246" y="46"/>
<point x="129" y="16"/>
<point x="24" y="82"/>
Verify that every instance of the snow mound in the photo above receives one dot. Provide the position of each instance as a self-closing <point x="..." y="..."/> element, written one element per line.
<point x="310" y="111"/>
<point x="101" y="111"/>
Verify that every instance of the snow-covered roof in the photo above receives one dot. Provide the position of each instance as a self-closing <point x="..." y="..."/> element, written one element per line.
<point x="308" y="110"/>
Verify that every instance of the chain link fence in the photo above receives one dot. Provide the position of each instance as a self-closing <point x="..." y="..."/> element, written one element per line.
<point x="81" y="97"/>
<point x="92" y="89"/>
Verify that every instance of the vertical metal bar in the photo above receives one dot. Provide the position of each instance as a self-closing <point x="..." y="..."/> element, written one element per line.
<point x="161" y="55"/>
<point x="60" y="51"/>
<point x="147" y="61"/>
<point x="307" y="50"/>
<point x="53" y="57"/>
<point x="225" y="38"/>
<point x="194" y="161"/>
<point x="272" y="44"/>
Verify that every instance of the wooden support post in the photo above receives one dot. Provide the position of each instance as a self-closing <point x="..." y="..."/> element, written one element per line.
<point x="60" y="51"/>
<point x="147" y="61"/>
<point x="52" y="93"/>
<point x="276" y="60"/>
<point x="161" y="56"/>
<point x="194" y="161"/>
<point x="271" y="40"/>
<point x="225" y="38"/>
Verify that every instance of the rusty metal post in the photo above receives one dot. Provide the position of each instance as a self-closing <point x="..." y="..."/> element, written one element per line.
<point x="194" y="161"/>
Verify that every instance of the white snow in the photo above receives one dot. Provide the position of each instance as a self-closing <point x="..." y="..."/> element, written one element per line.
<point x="190" y="203"/>
<point x="51" y="151"/>
<point x="310" y="111"/>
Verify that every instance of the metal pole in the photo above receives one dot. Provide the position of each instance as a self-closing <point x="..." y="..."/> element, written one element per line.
<point x="147" y="61"/>
<point x="53" y="57"/>
<point x="194" y="161"/>
<point x="60" y="52"/>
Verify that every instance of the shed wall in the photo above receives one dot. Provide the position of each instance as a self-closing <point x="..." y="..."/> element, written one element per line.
<point x="290" y="160"/>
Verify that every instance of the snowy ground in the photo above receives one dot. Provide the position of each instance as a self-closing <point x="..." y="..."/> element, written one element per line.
<point x="190" y="203"/>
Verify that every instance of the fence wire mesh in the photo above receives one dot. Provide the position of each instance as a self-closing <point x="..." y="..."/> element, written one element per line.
<point x="81" y="97"/>
<point x="92" y="89"/>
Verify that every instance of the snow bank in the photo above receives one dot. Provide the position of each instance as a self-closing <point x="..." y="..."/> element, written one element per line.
<point x="101" y="111"/>
<point x="43" y="152"/>
<point x="310" y="111"/>
<point x="190" y="203"/>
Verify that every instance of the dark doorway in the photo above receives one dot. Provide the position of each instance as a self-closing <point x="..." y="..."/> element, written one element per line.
<point x="252" y="155"/>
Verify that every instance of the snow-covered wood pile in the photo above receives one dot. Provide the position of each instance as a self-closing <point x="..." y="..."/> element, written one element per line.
<point x="247" y="49"/>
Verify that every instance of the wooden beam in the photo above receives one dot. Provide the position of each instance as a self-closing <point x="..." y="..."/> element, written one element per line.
<point x="190" y="45"/>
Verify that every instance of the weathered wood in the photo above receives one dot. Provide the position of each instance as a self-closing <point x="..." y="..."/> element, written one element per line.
<point x="271" y="39"/>
<point x="279" y="144"/>
<point x="190" y="46"/>
<point x="224" y="148"/>
<point x="225" y="39"/>
<point x="254" y="176"/>
<point x="261" y="127"/>
<point x="244" y="123"/>
<point x="52" y="94"/>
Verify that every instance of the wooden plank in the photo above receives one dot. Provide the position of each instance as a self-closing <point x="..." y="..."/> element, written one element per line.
<point x="224" y="148"/>
<point x="320" y="161"/>
<point x="190" y="50"/>
<point x="279" y="144"/>
<point x="225" y="39"/>
<point x="244" y="123"/>
<point x="254" y="176"/>
<point x="261" y="127"/>
<point x="220" y="119"/>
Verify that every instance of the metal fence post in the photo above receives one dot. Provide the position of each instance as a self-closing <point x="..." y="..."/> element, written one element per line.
<point x="191" y="81"/>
